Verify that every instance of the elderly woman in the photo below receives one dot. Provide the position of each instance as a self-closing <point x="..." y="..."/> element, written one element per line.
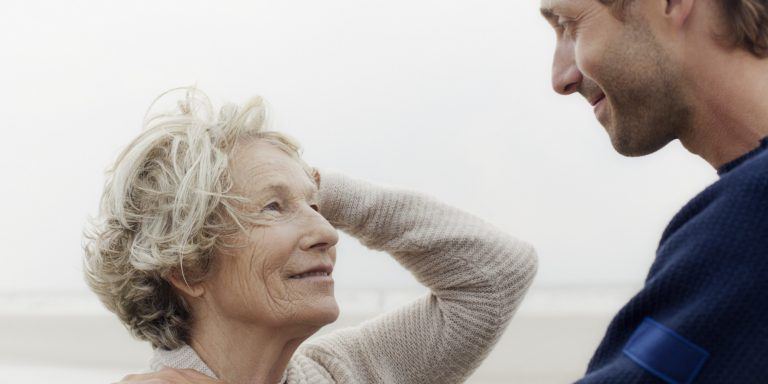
<point x="216" y="244"/>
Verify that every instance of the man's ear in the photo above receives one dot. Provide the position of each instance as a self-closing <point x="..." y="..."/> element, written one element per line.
<point x="180" y="283"/>
<point x="678" y="11"/>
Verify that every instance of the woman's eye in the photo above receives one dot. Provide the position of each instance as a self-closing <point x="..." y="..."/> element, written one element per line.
<point x="273" y="206"/>
<point x="315" y="207"/>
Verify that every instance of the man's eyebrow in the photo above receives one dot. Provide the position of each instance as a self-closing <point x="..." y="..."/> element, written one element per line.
<point x="548" y="13"/>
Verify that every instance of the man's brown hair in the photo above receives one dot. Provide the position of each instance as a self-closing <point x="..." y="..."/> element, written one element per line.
<point x="746" y="22"/>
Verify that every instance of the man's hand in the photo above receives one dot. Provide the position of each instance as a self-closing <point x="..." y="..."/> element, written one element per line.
<point x="171" y="376"/>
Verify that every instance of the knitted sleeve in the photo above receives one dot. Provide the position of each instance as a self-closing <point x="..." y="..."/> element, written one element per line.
<point x="477" y="276"/>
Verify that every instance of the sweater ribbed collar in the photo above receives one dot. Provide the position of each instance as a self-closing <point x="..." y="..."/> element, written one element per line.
<point x="184" y="357"/>
<point x="729" y="166"/>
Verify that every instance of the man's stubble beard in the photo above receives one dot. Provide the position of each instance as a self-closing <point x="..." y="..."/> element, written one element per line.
<point x="644" y="87"/>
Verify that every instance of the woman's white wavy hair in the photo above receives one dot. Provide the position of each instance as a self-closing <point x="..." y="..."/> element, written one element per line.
<point x="167" y="208"/>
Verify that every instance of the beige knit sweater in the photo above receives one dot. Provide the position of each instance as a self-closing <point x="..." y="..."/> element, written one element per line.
<point x="477" y="276"/>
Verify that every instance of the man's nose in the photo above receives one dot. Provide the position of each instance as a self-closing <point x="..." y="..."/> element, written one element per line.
<point x="566" y="76"/>
<point x="319" y="234"/>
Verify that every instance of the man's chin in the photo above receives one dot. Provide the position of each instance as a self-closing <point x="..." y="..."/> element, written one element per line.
<point x="636" y="147"/>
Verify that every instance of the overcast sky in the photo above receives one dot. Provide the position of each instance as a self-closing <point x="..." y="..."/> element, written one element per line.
<point x="450" y="97"/>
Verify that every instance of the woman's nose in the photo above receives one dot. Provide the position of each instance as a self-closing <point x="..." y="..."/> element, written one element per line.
<point x="566" y="76"/>
<point x="319" y="234"/>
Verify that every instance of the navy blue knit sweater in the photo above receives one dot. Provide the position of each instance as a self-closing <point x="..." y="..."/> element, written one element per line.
<point x="702" y="316"/>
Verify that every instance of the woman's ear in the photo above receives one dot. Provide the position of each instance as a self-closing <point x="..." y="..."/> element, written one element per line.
<point x="178" y="282"/>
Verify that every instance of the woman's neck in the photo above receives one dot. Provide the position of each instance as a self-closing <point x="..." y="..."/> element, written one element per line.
<point x="244" y="353"/>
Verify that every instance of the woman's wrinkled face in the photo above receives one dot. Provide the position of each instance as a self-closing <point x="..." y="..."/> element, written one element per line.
<point x="279" y="274"/>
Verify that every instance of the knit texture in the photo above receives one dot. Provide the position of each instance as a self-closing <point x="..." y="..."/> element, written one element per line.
<point x="477" y="276"/>
<point x="709" y="283"/>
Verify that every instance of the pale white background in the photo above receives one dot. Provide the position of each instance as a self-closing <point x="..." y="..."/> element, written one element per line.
<point x="449" y="97"/>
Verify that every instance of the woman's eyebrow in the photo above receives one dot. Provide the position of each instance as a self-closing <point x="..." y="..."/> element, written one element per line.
<point x="309" y="190"/>
<point x="312" y="192"/>
<point x="277" y="187"/>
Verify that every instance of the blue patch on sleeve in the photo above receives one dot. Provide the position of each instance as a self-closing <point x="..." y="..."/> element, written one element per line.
<point x="664" y="353"/>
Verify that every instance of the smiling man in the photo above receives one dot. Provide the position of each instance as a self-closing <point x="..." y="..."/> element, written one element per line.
<point x="696" y="71"/>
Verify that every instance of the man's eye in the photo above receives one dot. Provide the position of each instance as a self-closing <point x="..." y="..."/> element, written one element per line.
<point x="273" y="206"/>
<point x="564" y="24"/>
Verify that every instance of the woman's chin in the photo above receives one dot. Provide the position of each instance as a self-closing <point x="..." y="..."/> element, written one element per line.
<point x="318" y="308"/>
<point x="316" y="314"/>
<point x="326" y="311"/>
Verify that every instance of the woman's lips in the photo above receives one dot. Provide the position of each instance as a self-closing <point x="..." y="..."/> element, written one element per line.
<point x="315" y="278"/>
<point x="311" y="274"/>
<point x="319" y="271"/>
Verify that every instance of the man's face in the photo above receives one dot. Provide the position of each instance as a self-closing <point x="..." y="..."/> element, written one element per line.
<point x="622" y="71"/>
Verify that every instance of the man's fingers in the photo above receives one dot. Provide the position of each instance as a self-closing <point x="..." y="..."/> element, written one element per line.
<point x="194" y="375"/>
<point x="165" y="376"/>
<point x="170" y="376"/>
<point x="134" y="378"/>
